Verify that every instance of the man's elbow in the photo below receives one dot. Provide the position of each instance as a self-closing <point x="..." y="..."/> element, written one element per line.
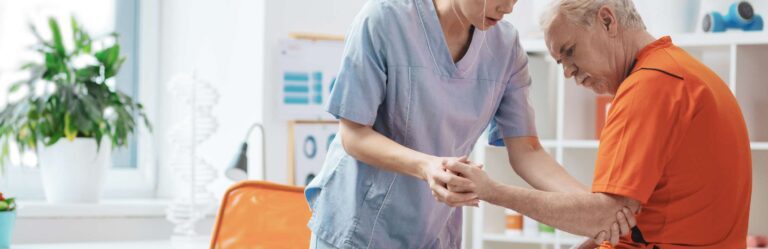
<point x="596" y="221"/>
<point x="603" y="217"/>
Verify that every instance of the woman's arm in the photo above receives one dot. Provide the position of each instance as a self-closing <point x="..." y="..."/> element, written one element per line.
<point x="369" y="146"/>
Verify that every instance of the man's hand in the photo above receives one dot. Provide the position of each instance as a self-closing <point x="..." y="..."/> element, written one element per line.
<point x="587" y="244"/>
<point x="625" y="221"/>
<point x="481" y="185"/>
<point x="439" y="178"/>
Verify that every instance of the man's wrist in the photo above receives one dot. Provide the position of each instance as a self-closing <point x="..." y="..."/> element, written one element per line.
<point x="493" y="192"/>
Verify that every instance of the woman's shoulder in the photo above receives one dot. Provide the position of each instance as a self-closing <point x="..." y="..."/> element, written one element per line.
<point x="382" y="18"/>
<point x="389" y="11"/>
<point x="504" y="49"/>
<point x="505" y="34"/>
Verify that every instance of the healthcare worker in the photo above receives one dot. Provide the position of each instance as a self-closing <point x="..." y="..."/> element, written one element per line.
<point x="420" y="81"/>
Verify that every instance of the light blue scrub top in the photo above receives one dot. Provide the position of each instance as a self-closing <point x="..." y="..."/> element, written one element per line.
<point x="398" y="76"/>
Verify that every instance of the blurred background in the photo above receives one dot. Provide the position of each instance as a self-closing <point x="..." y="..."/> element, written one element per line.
<point x="208" y="72"/>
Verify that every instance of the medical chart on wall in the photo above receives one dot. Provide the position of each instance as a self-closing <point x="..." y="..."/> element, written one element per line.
<point x="308" y="71"/>
<point x="309" y="142"/>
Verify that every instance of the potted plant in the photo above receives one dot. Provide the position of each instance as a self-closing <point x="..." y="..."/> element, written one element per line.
<point x="72" y="114"/>
<point x="7" y="219"/>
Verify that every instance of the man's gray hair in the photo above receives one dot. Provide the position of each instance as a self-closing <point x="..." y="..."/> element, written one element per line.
<point x="583" y="12"/>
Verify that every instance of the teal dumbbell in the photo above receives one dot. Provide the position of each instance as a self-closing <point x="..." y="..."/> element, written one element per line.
<point x="741" y="15"/>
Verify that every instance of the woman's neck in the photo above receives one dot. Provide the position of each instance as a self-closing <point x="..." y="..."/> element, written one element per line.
<point x="456" y="28"/>
<point x="452" y="20"/>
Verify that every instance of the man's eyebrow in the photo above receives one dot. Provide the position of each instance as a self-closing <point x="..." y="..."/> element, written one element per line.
<point x="562" y="49"/>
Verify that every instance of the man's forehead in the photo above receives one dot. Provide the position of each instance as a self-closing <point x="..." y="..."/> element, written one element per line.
<point x="558" y="34"/>
<point x="555" y="42"/>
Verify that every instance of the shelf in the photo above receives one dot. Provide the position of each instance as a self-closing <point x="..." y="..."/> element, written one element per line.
<point x="549" y="143"/>
<point x="581" y="144"/>
<point x="537" y="45"/>
<point x="534" y="45"/>
<point x="722" y="39"/>
<point x="759" y="145"/>
<point x="594" y="144"/>
<point x="569" y="240"/>
<point x="105" y="208"/>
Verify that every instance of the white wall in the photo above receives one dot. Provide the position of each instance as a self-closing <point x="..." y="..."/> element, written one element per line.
<point x="234" y="45"/>
<point x="282" y="18"/>
<point x="221" y="42"/>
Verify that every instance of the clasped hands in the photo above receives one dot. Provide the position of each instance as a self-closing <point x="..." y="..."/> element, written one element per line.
<point x="459" y="182"/>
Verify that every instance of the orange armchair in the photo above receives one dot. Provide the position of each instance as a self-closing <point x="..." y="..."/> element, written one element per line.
<point x="258" y="214"/>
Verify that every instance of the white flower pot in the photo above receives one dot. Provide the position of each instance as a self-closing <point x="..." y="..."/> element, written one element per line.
<point x="74" y="171"/>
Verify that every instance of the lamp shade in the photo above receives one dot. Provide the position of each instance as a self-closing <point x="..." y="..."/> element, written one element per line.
<point x="238" y="169"/>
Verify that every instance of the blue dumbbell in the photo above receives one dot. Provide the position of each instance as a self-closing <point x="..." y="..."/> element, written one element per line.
<point x="741" y="15"/>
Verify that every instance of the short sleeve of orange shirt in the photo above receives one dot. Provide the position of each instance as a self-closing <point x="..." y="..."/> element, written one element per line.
<point x="646" y="122"/>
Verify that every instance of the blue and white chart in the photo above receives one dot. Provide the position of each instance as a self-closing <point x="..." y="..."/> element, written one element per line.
<point x="308" y="70"/>
<point x="309" y="144"/>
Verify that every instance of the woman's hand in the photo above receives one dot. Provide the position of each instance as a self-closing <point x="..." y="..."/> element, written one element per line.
<point x="481" y="184"/>
<point x="439" y="180"/>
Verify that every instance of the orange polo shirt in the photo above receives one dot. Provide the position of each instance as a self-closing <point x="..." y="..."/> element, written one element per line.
<point x="675" y="140"/>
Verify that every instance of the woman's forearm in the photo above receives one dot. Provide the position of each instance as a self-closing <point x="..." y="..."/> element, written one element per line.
<point x="369" y="146"/>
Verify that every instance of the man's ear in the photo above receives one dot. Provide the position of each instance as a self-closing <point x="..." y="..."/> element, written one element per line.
<point x="607" y="20"/>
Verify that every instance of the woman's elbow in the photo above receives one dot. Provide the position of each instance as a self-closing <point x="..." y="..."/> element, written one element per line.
<point x="350" y="137"/>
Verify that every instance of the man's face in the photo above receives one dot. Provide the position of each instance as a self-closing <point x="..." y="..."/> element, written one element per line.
<point x="587" y="53"/>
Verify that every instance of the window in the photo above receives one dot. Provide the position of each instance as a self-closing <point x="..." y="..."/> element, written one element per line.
<point x="126" y="24"/>
<point x="132" y="173"/>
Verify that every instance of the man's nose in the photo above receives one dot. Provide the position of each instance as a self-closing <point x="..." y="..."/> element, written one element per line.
<point x="569" y="70"/>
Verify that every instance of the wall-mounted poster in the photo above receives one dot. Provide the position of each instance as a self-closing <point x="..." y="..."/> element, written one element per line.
<point x="308" y="144"/>
<point x="308" y="71"/>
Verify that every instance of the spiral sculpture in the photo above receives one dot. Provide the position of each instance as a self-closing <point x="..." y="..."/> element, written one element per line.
<point x="193" y="201"/>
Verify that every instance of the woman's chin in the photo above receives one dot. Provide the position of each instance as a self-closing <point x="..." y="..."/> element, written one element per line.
<point x="485" y="27"/>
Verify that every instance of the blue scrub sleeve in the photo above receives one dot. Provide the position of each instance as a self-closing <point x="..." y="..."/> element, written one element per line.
<point x="360" y="86"/>
<point x="514" y="117"/>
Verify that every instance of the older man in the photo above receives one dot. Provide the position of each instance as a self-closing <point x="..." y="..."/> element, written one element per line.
<point x="675" y="144"/>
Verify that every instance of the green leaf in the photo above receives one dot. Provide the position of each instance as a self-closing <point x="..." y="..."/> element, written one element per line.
<point x="82" y="39"/>
<point x="16" y="86"/>
<point x="29" y="65"/>
<point x="58" y="43"/>
<point x="87" y="74"/>
<point x="11" y="203"/>
<point x="53" y="139"/>
<point x="69" y="131"/>
<point x="77" y="36"/>
<point x="37" y="35"/>
<point x="109" y="55"/>
<point x="115" y="68"/>
<point x="146" y="121"/>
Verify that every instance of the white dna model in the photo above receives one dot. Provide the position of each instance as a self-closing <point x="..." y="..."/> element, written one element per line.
<point x="193" y="201"/>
